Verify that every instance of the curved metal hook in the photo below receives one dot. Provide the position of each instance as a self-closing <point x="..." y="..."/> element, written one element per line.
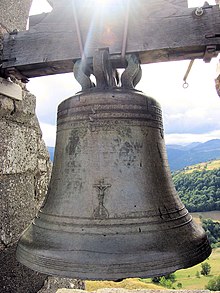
<point x="102" y="69"/>
<point x="132" y="74"/>
<point x="82" y="72"/>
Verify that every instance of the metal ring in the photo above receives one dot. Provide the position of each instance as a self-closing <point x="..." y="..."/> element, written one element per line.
<point x="185" y="85"/>
<point x="199" y="11"/>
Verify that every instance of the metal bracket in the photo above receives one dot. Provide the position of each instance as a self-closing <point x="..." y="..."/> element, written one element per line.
<point x="210" y="52"/>
<point x="132" y="74"/>
<point x="12" y="72"/>
<point x="82" y="71"/>
<point x="104" y="68"/>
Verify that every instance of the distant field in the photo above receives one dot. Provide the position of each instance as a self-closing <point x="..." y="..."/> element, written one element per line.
<point x="214" y="215"/>
<point x="130" y="284"/>
<point x="211" y="165"/>
<point x="187" y="277"/>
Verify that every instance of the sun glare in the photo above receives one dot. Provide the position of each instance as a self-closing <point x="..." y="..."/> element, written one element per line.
<point x="103" y="3"/>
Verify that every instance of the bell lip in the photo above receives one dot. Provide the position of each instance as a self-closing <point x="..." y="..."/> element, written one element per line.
<point x="190" y="261"/>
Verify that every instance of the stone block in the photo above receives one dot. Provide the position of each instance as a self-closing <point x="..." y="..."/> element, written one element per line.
<point x="19" y="146"/>
<point x="6" y="107"/>
<point x="24" y="110"/>
<point x="14" y="14"/>
<point x="20" y="111"/>
<point x="52" y="284"/>
<point x="10" y="89"/>
<point x="34" y="124"/>
<point x="18" y="205"/>
<point x="41" y="183"/>
<point x="14" y="277"/>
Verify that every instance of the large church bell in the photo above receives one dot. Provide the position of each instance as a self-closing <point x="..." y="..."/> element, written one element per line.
<point x="111" y="211"/>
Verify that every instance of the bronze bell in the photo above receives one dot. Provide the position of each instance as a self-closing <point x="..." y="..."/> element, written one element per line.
<point x="112" y="211"/>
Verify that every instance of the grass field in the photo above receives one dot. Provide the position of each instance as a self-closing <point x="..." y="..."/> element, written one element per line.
<point x="214" y="215"/>
<point x="130" y="284"/>
<point x="186" y="277"/>
<point x="210" y="165"/>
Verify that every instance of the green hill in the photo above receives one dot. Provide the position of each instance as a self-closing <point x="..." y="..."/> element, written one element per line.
<point x="199" y="186"/>
<point x="210" y="165"/>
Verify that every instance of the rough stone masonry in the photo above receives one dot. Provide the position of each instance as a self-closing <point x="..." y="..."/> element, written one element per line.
<point x="24" y="167"/>
<point x="24" y="170"/>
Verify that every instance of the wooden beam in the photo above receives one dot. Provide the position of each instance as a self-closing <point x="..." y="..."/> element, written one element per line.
<point x="158" y="31"/>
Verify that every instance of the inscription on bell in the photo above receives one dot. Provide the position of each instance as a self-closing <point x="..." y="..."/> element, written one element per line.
<point x="101" y="212"/>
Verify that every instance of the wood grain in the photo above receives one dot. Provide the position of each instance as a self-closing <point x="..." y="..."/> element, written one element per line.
<point x="158" y="31"/>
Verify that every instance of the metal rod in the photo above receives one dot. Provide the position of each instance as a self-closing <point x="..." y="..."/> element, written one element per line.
<point x="125" y="35"/>
<point x="188" y="69"/>
<point x="78" y="32"/>
<point x="185" y="85"/>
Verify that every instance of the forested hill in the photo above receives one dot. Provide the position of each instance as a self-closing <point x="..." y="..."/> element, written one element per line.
<point x="199" y="187"/>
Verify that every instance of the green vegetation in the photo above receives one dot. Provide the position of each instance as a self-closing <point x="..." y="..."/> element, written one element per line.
<point x="214" y="284"/>
<point x="199" y="190"/>
<point x="166" y="281"/>
<point x="198" y="216"/>
<point x="210" y="165"/>
<point x="191" y="279"/>
<point x="206" y="269"/>
<point x="212" y="230"/>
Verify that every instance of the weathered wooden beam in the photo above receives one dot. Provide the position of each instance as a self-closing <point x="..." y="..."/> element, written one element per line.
<point x="158" y="31"/>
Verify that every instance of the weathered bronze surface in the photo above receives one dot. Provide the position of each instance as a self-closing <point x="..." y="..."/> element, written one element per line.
<point x="112" y="211"/>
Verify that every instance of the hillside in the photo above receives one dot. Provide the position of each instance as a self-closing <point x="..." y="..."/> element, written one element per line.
<point x="199" y="186"/>
<point x="180" y="157"/>
<point x="210" y="165"/>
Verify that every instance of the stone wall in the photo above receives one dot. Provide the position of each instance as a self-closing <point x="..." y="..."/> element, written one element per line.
<point x="24" y="171"/>
<point x="24" y="176"/>
<point x="24" y="167"/>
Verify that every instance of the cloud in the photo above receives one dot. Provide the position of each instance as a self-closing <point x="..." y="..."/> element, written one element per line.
<point x="50" y="91"/>
<point x="194" y="110"/>
<point x="186" y="138"/>
<point x="49" y="133"/>
<point x="189" y="114"/>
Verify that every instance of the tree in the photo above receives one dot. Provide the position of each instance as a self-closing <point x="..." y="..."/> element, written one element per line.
<point x="197" y="274"/>
<point x="179" y="285"/>
<point x="214" y="284"/>
<point x="166" y="281"/>
<point x="206" y="269"/>
<point x="171" y="277"/>
<point x="199" y="190"/>
<point x="212" y="230"/>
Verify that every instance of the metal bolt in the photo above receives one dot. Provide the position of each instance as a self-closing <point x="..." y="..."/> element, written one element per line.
<point x="199" y="11"/>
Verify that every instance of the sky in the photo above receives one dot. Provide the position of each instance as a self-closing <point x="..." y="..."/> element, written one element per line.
<point x="189" y="115"/>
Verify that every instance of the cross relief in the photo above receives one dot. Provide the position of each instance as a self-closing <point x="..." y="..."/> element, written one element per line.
<point x="101" y="212"/>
